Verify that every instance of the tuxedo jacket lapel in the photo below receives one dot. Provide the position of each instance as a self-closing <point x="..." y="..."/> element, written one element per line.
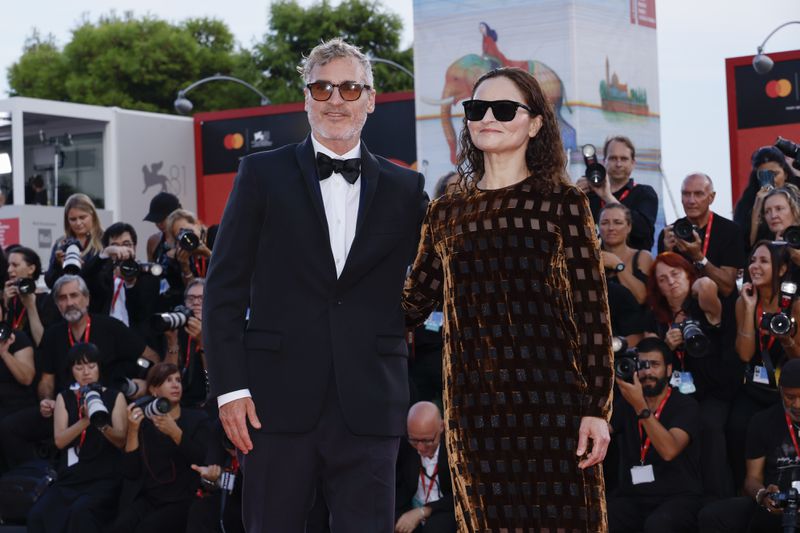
<point x="307" y="162"/>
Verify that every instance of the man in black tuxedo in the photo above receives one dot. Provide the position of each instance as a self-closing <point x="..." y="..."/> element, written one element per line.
<point x="424" y="489"/>
<point x="315" y="240"/>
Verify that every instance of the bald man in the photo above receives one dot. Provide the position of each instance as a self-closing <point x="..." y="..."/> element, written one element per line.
<point x="424" y="495"/>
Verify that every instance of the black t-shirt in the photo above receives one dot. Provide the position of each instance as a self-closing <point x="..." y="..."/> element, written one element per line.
<point x="119" y="346"/>
<point x="768" y="436"/>
<point x="46" y="307"/>
<point x="725" y="246"/>
<point x="193" y="372"/>
<point x="642" y="201"/>
<point x="12" y="392"/>
<point x="679" y="477"/>
<point x="626" y="313"/>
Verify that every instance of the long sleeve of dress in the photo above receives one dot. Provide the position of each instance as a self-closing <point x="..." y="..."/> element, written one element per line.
<point x="587" y="284"/>
<point x="424" y="285"/>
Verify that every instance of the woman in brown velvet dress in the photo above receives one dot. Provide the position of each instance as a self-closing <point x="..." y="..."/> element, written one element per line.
<point x="511" y="253"/>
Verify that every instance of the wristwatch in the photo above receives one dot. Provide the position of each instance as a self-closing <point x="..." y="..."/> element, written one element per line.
<point x="700" y="265"/>
<point x="620" y="267"/>
<point x="645" y="413"/>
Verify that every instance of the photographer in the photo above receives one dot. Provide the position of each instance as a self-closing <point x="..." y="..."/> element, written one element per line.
<point x="188" y="257"/>
<point x="89" y="428"/>
<point x="161" y="206"/>
<point x="82" y="231"/>
<point x="28" y="310"/>
<point x="687" y="314"/>
<point x="619" y="187"/>
<point x="715" y="245"/>
<point x="772" y="466"/>
<point x="780" y="210"/>
<point x="128" y="290"/>
<point x="763" y="349"/>
<point x="160" y="449"/>
<point x="623" y="264"/>
<point x="769" y="170"/>
<point x="185" y="347"/>
<point x="120" y="346"/>
<point x="658" y="429"/>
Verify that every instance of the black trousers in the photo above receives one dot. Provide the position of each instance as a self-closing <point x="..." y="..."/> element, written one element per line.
<point x="144" y="517"/>
<point x="714" y="466"/>
<point x="738" y="515"/>
<point x="357" y="473"/>
<point x="742" y="410"/>
<point x="20" y="434"/>
<point x="627" y="514"/>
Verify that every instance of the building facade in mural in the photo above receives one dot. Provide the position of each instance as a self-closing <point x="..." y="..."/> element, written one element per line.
<point x="616" y="96"/>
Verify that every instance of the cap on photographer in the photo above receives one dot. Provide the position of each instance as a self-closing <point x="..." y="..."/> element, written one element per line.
<point x="711" y="242"/>
<point x="619" y="187"/>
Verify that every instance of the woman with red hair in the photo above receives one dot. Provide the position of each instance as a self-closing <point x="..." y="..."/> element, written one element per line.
<point x="688" y="316"/>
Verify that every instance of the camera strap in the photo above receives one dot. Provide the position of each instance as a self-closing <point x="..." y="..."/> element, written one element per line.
<point x="119" y="282"/>
<point x="200" y="266"/>
<point x="622" y="196"/>
<point x="646" y="445"/>
<point x="17" y="322"/>
<point x="793" y="434"/>
<point x="80" y="416"/>
<point x="707" y="238"/>
<point x="85" y="333"/>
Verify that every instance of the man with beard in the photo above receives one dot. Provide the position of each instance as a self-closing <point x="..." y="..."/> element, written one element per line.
<point x="119" y="347"/>
<point x="658" y="429"/>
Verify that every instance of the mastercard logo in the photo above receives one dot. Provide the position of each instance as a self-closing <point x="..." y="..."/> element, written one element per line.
<point x="778" y="88"/>
<point x="233" y="141"/>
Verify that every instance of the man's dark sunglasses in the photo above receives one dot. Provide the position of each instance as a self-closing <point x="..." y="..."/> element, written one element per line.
<point x="503" y="110"/>
<point x="322" y="90"/>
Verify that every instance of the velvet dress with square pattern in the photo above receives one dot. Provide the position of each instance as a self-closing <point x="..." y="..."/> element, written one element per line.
<point x="527" y="352"/>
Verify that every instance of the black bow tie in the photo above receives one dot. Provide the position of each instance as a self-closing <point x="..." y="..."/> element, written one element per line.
<point x="350" y="169"/>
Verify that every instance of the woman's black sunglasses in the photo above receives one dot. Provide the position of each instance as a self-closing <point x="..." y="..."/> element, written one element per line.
<point x="503" y="110"/>
<point x="349" y="90"/>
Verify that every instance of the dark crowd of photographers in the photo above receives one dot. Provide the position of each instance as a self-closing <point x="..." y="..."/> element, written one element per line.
<point x="104" y="386"/>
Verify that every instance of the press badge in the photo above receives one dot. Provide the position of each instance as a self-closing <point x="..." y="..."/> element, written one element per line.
<point x="642" y="474"/>
<point x="435" y="321"/>
<point x="686" y="385"/>
<point x="760" y="375"/>
<point x="227" y="481"/>
<point x="72" y="456"/>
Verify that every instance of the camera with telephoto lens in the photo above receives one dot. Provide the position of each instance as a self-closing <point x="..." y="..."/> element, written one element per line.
<point x="684" y="230"/>
<point x="791" y="236"/>
<point x="162" y="322"/>
<point x="130" y="269"/>
<point x="782" y="322"/>
<point x="595" y="172"/>
<point x="96" y="409"/>
<point x="188" y="240"/>
<point x="789" y="149"/>
<point x="25" y="285"/>
<point x="626" y="360"/>
<point x="694" y="340"/>
<point x="127" y="386"/>
<point x="152" y="406"/>
<point x="72" y="262"/>
<point x="787" y="500"/>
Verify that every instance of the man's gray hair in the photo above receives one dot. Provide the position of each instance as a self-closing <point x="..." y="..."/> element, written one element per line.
<point x="67" y="278"/>
<point x="192" y="284"/>
<point x="327" y="51"/>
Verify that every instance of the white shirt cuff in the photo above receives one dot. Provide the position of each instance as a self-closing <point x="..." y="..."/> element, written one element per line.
<point x="228" y="397"/>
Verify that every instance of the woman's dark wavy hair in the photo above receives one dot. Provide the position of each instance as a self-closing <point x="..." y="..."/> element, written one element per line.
<point x="779" y="257"/>
<point x="544" y="155"/>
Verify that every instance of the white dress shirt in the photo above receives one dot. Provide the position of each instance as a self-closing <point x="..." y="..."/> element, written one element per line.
<point x="341" y="200"/>
<point x="119" y="308"/>
<point x="432" y="492"/>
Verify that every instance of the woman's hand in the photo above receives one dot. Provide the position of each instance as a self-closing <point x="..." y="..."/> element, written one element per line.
<point x="135" y="417"/>
<point x="673" y="338"/>
<point x="60" y="257"/>
<point x="610" y="260"/>
<point x="6" y="345"/>
<point x="166" y="425"/>
<point x="10" y="291"/>
<point x="748" y="295"/>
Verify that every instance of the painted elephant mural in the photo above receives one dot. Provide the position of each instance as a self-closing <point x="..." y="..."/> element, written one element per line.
<point x="462" y="74"/>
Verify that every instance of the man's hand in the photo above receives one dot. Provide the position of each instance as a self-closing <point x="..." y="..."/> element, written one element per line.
<point x="408" y="521"/>
<point x="767" y="502"/>
<point x="595" y="429"/>
<point x="234" y="416"/>
<point x="118" y="253"/>
<point x="46" y="407"/>
<point x="210" y="472"/>
<point x="692" y="249"/>
<point x="194" y="328"/>
<point x="583" y="185"/>
<point x="632" y="392"/>
<point x="670" y="240"/>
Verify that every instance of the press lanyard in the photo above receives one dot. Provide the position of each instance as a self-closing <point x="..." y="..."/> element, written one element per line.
<point x="80" y="416"/>
<point x="792" y="433"/>
<point x="759" y="312"/>
<point x="20" y="317"/>
<point x="707" y="238"/>
<point x="646" y="445"/>
<point x="188" y="356"/>
<point x="116" y="291"/>
<point x="200" y="264"/>
<point x="85" y="333"/>
<point x="423" y="475"/>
